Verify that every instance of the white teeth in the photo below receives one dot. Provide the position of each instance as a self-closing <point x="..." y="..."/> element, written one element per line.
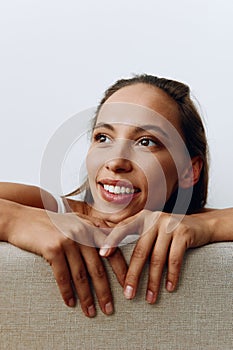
<point x="118" y="189"/>
<point x="123" y="190"/>
<point x="111" y="189"/>
<point x="106" y="187"/>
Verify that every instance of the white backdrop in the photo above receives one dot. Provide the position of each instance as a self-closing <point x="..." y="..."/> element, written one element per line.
<point x="57" y="57"/>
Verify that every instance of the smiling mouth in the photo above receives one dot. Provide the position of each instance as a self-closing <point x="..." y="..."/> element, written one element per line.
<point x="119" y="190"/>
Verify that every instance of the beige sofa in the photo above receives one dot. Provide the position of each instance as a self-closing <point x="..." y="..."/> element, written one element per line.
<point x="199" y="315"/>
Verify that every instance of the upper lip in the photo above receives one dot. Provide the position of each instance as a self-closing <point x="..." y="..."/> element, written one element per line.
<point x="119" y="182"/>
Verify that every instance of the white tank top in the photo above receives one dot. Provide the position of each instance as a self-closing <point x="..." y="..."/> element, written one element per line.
<point x="61" y="209"/>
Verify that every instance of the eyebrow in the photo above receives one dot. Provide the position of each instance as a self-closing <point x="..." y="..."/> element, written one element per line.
<point x="138" y="129"/>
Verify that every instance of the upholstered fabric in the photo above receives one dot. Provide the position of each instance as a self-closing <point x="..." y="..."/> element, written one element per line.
<point x="199" y="315"/>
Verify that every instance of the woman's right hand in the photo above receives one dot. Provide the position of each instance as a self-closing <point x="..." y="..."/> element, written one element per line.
<point x="55" y="237"/>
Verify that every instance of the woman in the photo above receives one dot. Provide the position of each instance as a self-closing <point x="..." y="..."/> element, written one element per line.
<point x="147" y="166"/>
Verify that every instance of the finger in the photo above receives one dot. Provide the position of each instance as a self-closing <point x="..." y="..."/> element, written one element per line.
<point x="157" y="263"/>
<point x="119" y="266"/>
<point x="176" y="255"/>
<point x="99" y="278"/>
<point x="80" y="279"/>
<point x="62" y="275"/>
<point x="118" y="234"/>
<point x="137" y="262"/>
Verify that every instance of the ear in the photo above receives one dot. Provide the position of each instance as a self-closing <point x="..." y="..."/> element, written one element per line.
<point x="191" y="173"/>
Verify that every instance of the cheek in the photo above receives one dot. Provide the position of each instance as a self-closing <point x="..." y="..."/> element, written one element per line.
<point x="92" y="164"/>
<point x="161" y="177"/>
<point x="171" y="176"/>
<point x="156" y="188"/>
<point x="95" y="161"/>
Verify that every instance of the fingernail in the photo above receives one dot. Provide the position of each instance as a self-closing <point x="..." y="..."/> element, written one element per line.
<point x="71" y="302"/>
<point x="128" y="292"/>
<point x="150" y="297"/>
<point x="103" y="251"/>
<point x="169" y="286"/>
<point x="109" y="308"/>
<point x="91" y="311"/>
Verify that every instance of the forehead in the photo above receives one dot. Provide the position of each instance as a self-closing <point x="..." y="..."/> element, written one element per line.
<point x="140" y="104"/>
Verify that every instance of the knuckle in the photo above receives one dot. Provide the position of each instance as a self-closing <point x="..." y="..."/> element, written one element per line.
<point x="175" y="262"/>
<point x="139" y="253"/>
<point x="164" y="221"/>
<point x="183" y="229"/>
<point x="63" y="279"/>
<point x="52" y="250"/>
<point x="98" y="272"/>
<point x="186" y="234"/>
<point x="81" y="276"/>
<point x="172" y="276"/>
<point x="86" y="300"/>
<point x="156" y="260"/>
<point x="150" y="220"/>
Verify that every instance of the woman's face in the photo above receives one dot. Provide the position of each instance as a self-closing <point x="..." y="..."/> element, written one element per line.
<point x="136" y="152"/>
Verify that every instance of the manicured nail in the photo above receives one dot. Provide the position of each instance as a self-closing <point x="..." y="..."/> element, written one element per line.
<point x="103" y="251"/>
<point x="169" y="286"/>
<point x="71" y="302"/>
<point x="91" y="311"/>
<point x="150" y="297"/>
<point x="128" y="292"/>
<point x="109" y="308"/>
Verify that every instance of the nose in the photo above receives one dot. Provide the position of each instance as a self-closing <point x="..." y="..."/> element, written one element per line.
<point x="119" y="165"/>
<point x="119" y="159"/>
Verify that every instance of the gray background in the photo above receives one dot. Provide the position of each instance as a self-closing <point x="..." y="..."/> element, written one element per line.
<point x="58" y="57"/>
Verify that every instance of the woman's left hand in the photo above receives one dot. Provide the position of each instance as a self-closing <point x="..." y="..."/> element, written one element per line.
<point x="166" y="237"/>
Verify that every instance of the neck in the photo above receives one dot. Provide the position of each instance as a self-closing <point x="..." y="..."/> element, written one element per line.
<point x="92" y="213"/>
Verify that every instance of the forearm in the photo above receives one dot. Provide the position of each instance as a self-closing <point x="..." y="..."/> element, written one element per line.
<point x="27" y="195"/>
<point x="8" y="212"/>
<point x="220" y="222"/>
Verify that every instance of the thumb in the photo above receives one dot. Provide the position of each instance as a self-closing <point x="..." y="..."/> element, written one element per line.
<point x="106" y="251"/>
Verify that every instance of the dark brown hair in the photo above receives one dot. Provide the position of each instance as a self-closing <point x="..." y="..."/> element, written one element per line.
<point x="191" y="125"/>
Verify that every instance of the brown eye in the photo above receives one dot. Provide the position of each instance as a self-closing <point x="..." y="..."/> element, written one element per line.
<point x="101" y="138"/>
<point x="147" y="142"/>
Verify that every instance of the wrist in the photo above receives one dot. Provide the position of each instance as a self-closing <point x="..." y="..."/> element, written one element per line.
<point x="207" y="225"/>
<point x="219" y="222"/>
